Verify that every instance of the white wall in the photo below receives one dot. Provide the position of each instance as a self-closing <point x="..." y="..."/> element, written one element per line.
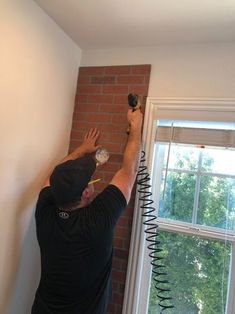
<point x="38" y="74"/>
<point x="206" y="70"/>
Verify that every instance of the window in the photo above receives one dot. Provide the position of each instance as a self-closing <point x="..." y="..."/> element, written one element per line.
<point x="190" y="153"/>
<point x="198" y="181"/>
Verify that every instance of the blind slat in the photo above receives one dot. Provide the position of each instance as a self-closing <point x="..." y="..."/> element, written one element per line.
<point x="196" y="136"/>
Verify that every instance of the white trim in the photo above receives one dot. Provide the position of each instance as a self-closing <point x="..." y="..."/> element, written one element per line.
<point x="200" y="109"/>
<point x="135" y="263"/>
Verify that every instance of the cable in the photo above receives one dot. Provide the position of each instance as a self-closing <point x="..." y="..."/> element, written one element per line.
<point x="161" y="282"/>
<point x="149" y="214"/>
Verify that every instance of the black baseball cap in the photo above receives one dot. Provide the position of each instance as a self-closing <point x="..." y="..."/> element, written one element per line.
<point x="69" y="179"/>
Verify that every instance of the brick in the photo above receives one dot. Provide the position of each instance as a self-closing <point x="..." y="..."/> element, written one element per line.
<point x="113" y="127"/>
<point x="84" y="125"/>
<point x="112" y="167"/>
<point x="115" y="284"/>
<point x="111" y="308"/>
<point x="84" y="80"/>
<point x="125" y="69"/>
<point x="113" y="147"/>
<point x="119" y="275"/>
<point x="81" y="98"/>
<point x="116" y="157"/>
<point x="87" y="107"/>
<point x="102" y="99"/>
<point x="123" y="222"/>
<point x="118" y="243"/>
<point x="117" y="264"/>
<point x="131" y="79"/>
<point x="126" y="244"/>
<point x="100" y="186"/>
<point x="121" y="231"/>
<point x="75" y="134"/>
<point x="115" y="89"/>
<point x="118" y="309"/>
<point x="121" y="99"/>
<point x="144" y="99"/>
<point x="118" y="298"/>
<point x="98" y="117"/>
<point x="129" y="209"/>
<point x="100" y="173"/>
<point x="75" y="125"/>
<point x="89" y="89"/>
<point x="91" y="70"/>
<point x="111" y="108"/>
<point x="103" y="80"/>
<point x="121" y="254"/>
<point x="121" y="288"/>
<point x="124" y="264"/>
<point x="79" y="116"/>
<point x="146" y="80"/>
<point x="120" y="118"/>
<point x="108" y="176"/>
<point x="138" y="89"/>
<point x="141" y="69"/>
<point x="104" y="136"/>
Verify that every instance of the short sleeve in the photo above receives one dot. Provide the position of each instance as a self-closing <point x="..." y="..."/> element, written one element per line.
<point x="45" y="200"/>
<point x="110" y="204"/>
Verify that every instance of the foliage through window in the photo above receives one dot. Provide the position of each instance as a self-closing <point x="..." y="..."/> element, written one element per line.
<point x="198" y="270"/>
<point x="200" y="186"/>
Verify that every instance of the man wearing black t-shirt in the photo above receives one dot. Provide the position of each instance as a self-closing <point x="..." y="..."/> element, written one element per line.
<point x="75" y="233"/>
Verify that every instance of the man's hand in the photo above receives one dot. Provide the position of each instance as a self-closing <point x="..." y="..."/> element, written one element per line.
<point x="88" y="146"/>
<point x="90" y="141"/>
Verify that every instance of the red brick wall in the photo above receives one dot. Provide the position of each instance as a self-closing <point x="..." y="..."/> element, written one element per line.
<point x="101" y="101"/>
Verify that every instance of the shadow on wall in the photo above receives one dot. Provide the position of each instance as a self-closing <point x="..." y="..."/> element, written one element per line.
<point x="21" y="264"/>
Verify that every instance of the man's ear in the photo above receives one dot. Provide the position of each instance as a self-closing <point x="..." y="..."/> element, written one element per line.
<point x="85" y="193"/>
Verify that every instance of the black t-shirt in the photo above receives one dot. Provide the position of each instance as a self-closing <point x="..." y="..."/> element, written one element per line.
<point x="76" y="253"/>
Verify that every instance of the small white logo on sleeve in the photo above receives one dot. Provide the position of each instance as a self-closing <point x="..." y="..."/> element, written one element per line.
<point x="64" y="215"/>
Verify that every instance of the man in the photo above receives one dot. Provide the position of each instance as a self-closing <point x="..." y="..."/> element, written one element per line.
<point x="75" y="233"/>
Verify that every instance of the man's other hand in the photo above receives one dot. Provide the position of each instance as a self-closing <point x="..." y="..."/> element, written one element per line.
<point x="89" y="144"/>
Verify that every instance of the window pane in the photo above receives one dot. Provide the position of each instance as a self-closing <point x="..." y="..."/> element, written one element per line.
<point x="217" y="202"/>
<point x="219" y="161"/>
<point x="198" y="270"/>
<point x="176" y="202"/>
<point x="182" y="157"/>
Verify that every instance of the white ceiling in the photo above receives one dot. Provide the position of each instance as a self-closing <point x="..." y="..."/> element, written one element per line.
<point x="126" y="23"/>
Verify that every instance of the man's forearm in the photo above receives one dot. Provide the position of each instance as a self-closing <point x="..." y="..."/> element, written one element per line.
<point x="132" y="151"/>
<point x="78" y="152"/>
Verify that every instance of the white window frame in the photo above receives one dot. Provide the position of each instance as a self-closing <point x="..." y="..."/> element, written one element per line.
<point x="139" y="270"/>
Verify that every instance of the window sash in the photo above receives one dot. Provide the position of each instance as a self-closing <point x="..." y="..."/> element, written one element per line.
<point x="196" y="229"/>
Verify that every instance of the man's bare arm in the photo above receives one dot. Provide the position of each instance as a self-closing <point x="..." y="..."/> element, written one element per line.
<point x="124" y="179"/>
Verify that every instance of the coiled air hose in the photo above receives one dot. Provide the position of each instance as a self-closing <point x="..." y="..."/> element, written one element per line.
<point x="151" y="227"/>
<point x="149" y="215"/>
